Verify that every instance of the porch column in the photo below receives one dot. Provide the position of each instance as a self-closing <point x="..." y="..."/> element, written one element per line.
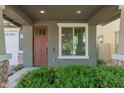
<point x="121" y="32"/>
<point x="3" y="57"/>
<point x="2" y="38"/>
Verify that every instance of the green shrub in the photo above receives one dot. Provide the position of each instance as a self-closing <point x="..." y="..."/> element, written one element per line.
<point x="100" y="62"/>
<point x="18" y="67"/>
<point x="75" y="76"/>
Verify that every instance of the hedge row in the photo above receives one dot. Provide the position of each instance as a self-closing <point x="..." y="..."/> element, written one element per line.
<point x="75" y="76"/>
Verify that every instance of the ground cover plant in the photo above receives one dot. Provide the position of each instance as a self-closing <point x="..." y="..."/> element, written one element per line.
<point x="74" y="76"/>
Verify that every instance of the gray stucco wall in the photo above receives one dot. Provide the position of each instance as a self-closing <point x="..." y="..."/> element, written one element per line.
<point x="20" y="40"/>
<point x="121" y="34"/>
<point x="2" y="38"/>
<point x="53" y="37"/>
<point x="53" y="34"/>
<point x="27" y="45"/>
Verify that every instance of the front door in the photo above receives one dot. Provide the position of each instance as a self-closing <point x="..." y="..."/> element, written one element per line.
<point x="40" y="45"/>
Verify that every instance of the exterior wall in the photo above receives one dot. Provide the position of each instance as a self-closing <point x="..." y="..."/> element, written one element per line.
<point x="3" y="73"/>
<point x="2" y="38"/>
<point x="108" y="32"/>
<point x="104" y="51"/>
<point x="20" y="40"/>
<point x="27" y="45"/>
<point x="121" y="34"/>
<point x="53" y="42"/>
<point x="20" y="56"/>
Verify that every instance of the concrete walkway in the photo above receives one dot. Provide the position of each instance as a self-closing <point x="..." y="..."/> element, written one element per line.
<point x="12" y="79"/>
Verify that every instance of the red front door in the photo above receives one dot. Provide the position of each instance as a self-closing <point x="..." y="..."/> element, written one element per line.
<point x="40" y="45"/>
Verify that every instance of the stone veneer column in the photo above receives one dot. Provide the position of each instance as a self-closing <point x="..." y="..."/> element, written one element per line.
<point x="3" y="73"/>
<point x="121" y="33"/>
<point x="3" y="61"/>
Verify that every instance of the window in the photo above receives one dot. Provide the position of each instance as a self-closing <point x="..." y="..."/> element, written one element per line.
<point x="73" y="41"/>
<point x="116" y="41"/>
<point x="39" y="31"/>
<point x="100" y="39"/>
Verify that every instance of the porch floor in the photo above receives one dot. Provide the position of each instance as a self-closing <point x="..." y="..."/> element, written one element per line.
<point x="12" y="79"/>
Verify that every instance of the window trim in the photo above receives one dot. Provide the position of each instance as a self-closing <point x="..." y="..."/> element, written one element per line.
<point x="60" y="25"/>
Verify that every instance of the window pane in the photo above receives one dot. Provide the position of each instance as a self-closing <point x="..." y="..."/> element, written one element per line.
<point x="67" y="41"/>
<point x="79" y="41"/>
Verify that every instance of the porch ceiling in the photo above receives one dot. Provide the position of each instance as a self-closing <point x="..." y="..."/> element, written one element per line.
<point x="60" y="12"/>
<point x="93" y="14"/>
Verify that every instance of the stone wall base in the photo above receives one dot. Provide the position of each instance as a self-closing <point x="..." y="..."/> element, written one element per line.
<point x="4" y="73"/>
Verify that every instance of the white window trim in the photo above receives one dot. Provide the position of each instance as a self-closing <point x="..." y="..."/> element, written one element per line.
<point x="60" y="25"/>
